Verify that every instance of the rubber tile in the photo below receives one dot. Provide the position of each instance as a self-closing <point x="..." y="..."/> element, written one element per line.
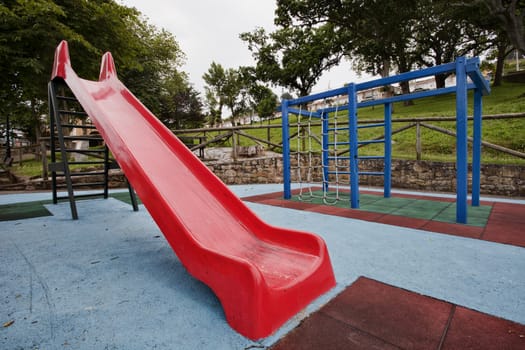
<point x="320" y="331"/>
<point x="347" y="213"/>
<point x="398" y="317"/>
<point x="402" y="221"/>
<point x="508" y="212"/>
<point x="506" y="232"/>
<point x="261" y="197"/>
<point x="453" y="229"/>
<point x="288" y="204"/>
<point x="414" y="212"/>
<point x="474" y="330"/>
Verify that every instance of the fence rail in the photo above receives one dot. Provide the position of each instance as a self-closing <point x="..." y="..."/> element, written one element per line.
<point x="236" y="132"/>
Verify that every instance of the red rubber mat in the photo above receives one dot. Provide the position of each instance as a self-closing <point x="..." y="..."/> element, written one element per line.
<point x="373" y="315"/>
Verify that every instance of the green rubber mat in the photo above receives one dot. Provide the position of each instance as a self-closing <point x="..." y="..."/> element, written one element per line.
<point x="409" y="207"/>
<point x="124" y="197"/>
<point x="26" y="210"/>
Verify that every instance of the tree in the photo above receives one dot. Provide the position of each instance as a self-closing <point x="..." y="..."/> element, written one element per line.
<point x="215" y="79"/>
<point x="31" y="29"/>
<point x="181" y="107"/>
<point x="511" y="17"/>
<point x="445" y="32"/>
<point x="294" y="57"/>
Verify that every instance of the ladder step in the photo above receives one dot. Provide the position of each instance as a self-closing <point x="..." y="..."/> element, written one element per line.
<point x="89" y="126"/>
<point x="67" y="98"/>
<point x="85" y="138"/>
<point x="94" y="162"/>
<point x="70" y="150"/>
<point x="84" y="195"/>
<point x="85" y="173"/>
<point x="83" y="184"/>
<point x="81" y="114"/>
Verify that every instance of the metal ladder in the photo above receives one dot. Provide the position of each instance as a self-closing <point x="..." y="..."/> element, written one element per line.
<point x="65" y="111"/>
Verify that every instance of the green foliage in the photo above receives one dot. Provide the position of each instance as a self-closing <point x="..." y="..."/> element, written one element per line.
<point x="148" y="59"/>
<point x="294" y="57"/>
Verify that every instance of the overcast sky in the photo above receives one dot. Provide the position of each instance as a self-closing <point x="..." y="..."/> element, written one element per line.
<point x="208" y="30"/>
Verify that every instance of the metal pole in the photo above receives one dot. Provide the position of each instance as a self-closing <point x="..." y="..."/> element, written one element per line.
<point x="476" y="148"/>
<point x="461" y="141"/>
<point x="387" y="186"/>
<point x="286" y="150"/>
<point x="352" y="126"/>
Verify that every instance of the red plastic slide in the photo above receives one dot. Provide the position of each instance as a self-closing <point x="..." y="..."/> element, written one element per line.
<point x="263" y="275"/>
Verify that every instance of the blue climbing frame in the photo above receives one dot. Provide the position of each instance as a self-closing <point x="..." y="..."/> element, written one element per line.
<point x="463" y="69"/>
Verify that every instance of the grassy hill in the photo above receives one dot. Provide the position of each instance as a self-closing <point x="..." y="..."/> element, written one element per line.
<point x="509" y="133"/>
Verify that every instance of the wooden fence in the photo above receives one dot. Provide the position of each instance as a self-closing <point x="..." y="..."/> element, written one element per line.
<point x="235" y="133"/>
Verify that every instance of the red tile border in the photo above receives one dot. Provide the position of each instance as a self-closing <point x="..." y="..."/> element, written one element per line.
<point x="470" y="329"/>
<point x="504" y="224"/>
<point x="373" y="315"/>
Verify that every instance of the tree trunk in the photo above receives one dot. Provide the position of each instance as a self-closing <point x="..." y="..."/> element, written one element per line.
<point x="440" y="80"/>
<point x="499" y="66"/>
<point x="405" y="89"/>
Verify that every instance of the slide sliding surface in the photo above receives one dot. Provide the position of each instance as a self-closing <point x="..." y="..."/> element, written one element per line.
<point x="262" y="275"/>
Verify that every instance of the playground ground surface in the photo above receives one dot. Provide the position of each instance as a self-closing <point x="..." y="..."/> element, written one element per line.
<point x="407" y="276"/>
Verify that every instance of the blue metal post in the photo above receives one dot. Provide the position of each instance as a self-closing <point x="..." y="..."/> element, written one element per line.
<point x="476" y="147"/>
<point x="286" y="150"/>
<point x="461" y="141"/>
<point x="352" y="128"/>
<point x="325" y="151"/>
<point x="387" y="186"/>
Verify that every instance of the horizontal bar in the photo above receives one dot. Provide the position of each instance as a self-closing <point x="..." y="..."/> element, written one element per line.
<point x="441" y="69"/>
<point x="335" y="158"/>
<point x="372" y="173"/>
<point x="304" y="113"/>
<point x="371" y="157"/>
<point x="319" y="96"/>
<point x="337" y="129"/>
<point x="365" y="126"/>
<point x="338" y="173"/>
<point x="338" y="143"/>
<point x="366" y="142"/>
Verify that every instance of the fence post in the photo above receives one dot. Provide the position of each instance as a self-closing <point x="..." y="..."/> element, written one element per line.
<point x="43" y="155"/>
<point x="234" y="144"/>
<point x="418" y="141"/>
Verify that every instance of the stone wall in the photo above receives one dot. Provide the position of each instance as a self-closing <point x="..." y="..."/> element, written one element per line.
<point x="501" y="180"/>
